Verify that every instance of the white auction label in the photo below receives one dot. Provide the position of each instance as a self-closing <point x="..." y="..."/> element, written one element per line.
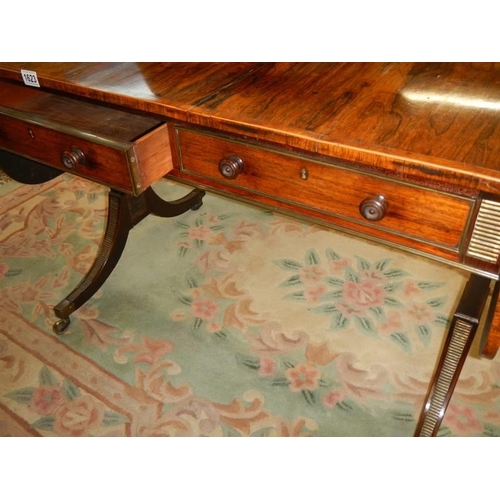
<point x="30" y="78"/>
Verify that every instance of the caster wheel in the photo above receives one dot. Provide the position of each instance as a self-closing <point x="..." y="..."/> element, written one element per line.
<point x="197" y="205"/>
<point x="61" y="326"/>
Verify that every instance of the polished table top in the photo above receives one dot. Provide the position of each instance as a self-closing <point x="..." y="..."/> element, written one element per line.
<point x="437" y="121"/>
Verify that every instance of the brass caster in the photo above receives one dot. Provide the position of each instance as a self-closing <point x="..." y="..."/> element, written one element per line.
<point x="61" y="326"/>
<point x="197" y="205"/>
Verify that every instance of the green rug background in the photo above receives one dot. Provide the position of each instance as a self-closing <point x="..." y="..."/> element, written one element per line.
<point x="226" y="321"/>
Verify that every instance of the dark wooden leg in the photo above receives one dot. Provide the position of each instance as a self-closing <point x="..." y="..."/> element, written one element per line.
<point x="124" y="212"/>
<point x="460" y="336"/>
<point x="115" y="236"/>
<point x="490" y="338"/>
<point x="161" y="208"/>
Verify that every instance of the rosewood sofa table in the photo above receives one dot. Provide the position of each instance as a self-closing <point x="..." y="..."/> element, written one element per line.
<point x="407" y="154"/>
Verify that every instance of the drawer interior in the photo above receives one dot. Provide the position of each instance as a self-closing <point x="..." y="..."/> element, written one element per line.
<point x="71" y="115"/>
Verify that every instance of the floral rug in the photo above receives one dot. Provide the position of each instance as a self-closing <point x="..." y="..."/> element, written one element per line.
<point x="226" y="321"/>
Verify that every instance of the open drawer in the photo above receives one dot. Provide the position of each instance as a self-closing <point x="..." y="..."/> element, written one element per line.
<point x="121" y="150"/>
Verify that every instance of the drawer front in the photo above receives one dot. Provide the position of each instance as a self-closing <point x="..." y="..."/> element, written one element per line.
<point x="127" y="167"/>
<point x="100" y="163"/>
<point x="411" y="212"/>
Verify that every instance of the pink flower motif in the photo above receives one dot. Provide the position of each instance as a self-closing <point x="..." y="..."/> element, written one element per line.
<point x="338" y="265"/>
<point x="311" y="274"/>
<point x="332" y="398"/>
<point x="46" y="399"/>
<point x="200" y="233"/>
<point x="267" y="366"/>
<point x="204" y="309"/>
<point x="359" y="297"/>
<point x="347" y="310"/>
<point x="462" y="421"/>
<point x="420" y="312"/>
<point x="78" y="417"/>
<point x="313" y="294"/>
<point x="393" y="323"/>
<point x="303" y="376"/>
<point x="410" y="289"/>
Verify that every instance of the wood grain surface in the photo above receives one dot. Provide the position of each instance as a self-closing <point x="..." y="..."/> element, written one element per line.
<point x="426" y="135"/>
<point x="438" y="121"/>
<point x="413" y="213"/>
<point x="169" y="89"/>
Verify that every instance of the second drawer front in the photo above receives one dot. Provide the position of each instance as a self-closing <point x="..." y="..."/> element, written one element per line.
<point x="412" y="211"/>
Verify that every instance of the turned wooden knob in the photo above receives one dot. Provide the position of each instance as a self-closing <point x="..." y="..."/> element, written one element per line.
<point x="72" y="159"/>
<point x="373" y="208"/>
<point x="231" y="166"/>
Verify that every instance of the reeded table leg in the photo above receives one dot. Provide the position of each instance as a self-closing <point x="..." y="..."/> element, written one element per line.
<point x="490" y="340"/>
<point x="124" y="212"/>
<point x="460" y="336"/>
